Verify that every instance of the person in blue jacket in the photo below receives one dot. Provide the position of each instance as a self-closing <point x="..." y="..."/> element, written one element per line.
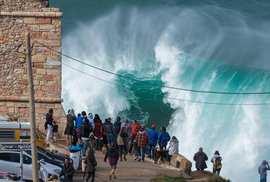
<point x="163" y="140"/>
<point x="78" y="125"/>
<point x="152" y="140"/>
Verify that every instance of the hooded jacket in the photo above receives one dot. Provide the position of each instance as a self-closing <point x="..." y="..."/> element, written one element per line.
<point x="163" y="139"/>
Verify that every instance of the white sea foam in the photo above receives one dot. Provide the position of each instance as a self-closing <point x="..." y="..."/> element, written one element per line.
<point x="189" y="47"/>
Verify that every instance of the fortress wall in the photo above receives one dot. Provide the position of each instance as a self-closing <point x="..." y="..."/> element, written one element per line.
<point x="44" y="24"/>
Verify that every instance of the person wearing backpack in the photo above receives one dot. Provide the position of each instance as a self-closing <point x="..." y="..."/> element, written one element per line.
<point x="122" y="140"/>
<point x="85" y="132"/>
<point x="217" y="165"/>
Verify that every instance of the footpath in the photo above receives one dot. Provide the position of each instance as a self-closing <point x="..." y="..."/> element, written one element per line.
<point x="128" y="171"/>
<point x="134" y="171"/>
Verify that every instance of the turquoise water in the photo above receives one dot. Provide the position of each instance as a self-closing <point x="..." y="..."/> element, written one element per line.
<point x="206" y="45"/>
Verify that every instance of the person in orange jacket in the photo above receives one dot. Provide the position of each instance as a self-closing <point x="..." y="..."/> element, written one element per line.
<point x="135" y="127"/>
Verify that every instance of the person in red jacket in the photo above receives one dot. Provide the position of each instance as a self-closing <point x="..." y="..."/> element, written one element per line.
<point x="142" y="140"/>
<point x="135" y="127"/>
<point x="98" y="131"/>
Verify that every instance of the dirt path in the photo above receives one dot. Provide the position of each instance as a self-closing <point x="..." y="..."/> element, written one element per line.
<point x="130" y="171"/>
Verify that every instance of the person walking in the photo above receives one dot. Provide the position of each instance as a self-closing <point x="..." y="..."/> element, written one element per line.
<point x="163" y="140"/>
<point x="109" y="132"/>
<point x="75" y="153"/>
<point x="69" y="130"/>
<point x="113" y="156"/>
<point x="135" y="127"/>
<point x="49" y="125"/>
<point x="68" y="171"/>
<point x="85" y="132"/>
<point x="90" y="165"/>
<point x="117" y="125"/>
<point x="91" y="119"/>
<point x="78" y="125"/>
<point x="98" y="131"/>
<point x="122" y="140"/>
<point x="142" y="140"/>
<point x="152" y="140"/>
<point x="263" y="168"/>
<point x="173" y="147"/>
<point x="200" y="159"/>
<point x="217" y="165"/>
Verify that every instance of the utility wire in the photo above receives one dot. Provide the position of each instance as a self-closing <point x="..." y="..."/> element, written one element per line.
<point x="169" y="87"/>
<point x="85" y="73"/>
<point x="172" y="98"/>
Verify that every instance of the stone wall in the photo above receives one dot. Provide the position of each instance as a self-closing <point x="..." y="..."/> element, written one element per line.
<point x="44" y="24"/>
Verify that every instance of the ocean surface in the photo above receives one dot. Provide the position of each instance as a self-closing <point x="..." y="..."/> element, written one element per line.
<point x="212" y="45"/>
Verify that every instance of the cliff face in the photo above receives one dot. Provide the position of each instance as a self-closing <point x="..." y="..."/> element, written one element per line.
<point x="44" y="24"/>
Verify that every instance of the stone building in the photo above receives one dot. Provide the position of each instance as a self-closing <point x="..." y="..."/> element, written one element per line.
<point x="44" y="24"/>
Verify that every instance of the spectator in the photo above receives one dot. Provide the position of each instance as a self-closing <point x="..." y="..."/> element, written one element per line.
<point x="98" y="131"/>
<point x="200" y="159"/>
<point x="122" y="140"/>
<point x="117" y="125"/>
<point x="163" y="140"/>
<point x="49" y="125"/>
<point x="68" y="171"/>
<point x="75" y="150"/>
<point x="217" y="165"/>
<point x="113" y="155"/>
<point x="142" y="141"/>
<point x="263" y="168"/>
<point x="152" y="140"/>
<point x="109" y="131"/>
<point x="91" y="119"/>
<point x="78" y="125"/>
<point x="91" y="164"/>
<point x="85" y="132"/>
<point x="135" y="127"/>
<point x="69" y="130"/>
<point x="173" y="146"/>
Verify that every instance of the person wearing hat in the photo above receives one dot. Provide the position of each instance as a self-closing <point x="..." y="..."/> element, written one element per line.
<point x="142" y="140"/>
<point x="152" y="140"/>
<point x="263" y="168"/>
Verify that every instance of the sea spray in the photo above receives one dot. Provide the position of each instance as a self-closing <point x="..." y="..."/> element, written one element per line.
<point x="199" y="47"/>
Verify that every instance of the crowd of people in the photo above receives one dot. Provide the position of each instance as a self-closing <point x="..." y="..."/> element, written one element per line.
<point x="86" y="133"/>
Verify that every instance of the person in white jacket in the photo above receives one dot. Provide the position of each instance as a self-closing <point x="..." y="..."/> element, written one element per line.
<point x="173" y="147"/>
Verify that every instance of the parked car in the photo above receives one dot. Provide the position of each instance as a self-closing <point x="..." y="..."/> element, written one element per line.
<point x="48" y="157"/>
<point x="10" y="162"/>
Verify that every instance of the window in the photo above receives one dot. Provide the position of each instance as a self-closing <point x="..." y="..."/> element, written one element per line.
<point x="27" y="159"/>
<point x="10" y="157"/>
